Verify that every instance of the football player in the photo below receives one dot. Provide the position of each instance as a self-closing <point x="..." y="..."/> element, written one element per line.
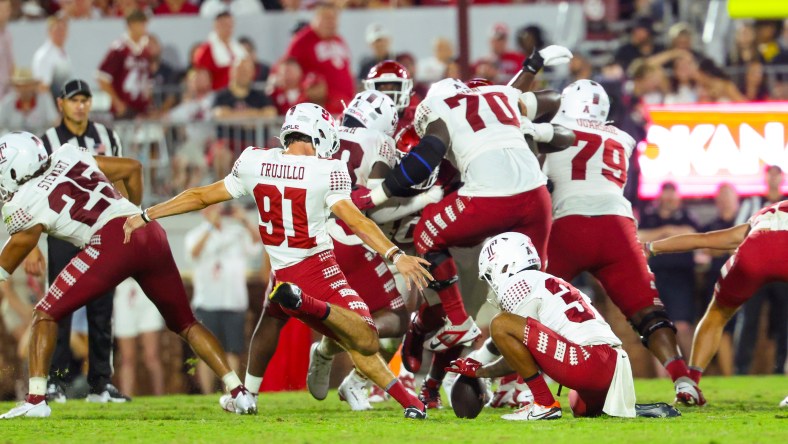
<point x="366" y="146"/>
<point x="394" y="80"/>
<point x="588" y="198"/>
<point x="759" y="259"/>
<point x="548" y="327"/>
<point x="69" y="194"/>
<point x="311" y="285"/>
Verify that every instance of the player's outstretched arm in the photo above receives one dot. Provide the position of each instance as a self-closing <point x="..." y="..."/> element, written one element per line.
<point x="16" y="249"/>
<point x="128" y="171"/>
<point x="190" y="200"/>
<point x="549" y="56"/>
<point x="411" y="267"/>
<point x="727" y="239"/>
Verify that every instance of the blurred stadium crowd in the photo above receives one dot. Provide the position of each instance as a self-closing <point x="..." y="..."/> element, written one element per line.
<point x="202" y="115"/>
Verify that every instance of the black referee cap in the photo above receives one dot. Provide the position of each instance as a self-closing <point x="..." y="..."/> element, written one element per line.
<point x="74" y="87"/>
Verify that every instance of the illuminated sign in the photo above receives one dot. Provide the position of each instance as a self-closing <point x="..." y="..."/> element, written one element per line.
<point x="700" y="146"/>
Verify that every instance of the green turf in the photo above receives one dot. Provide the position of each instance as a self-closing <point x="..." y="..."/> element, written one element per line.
<point x="740" y="410"/>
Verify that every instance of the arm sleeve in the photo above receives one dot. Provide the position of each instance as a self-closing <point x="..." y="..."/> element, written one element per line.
<point x="339" y="186"/>
<point x="416" y="167"/>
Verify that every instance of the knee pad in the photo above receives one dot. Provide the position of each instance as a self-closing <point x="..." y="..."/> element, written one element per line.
<point x="652" y="322"/>
<point x="436" y="258"/>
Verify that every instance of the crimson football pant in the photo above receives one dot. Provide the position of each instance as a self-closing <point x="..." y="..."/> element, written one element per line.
<point x="462" y="221"/>
<point x="106" y="261"/>
<point x="99" y="316"/>
<point x="368" y="274"/>
<point x="587" y="369"/>
<point x="320" y="277"/>
<point x="607" y="247"/>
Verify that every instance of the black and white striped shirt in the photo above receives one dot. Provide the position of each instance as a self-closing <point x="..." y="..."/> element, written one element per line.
<point x="98" y="139"/>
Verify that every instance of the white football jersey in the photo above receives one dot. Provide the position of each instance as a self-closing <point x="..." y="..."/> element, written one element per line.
<point x="558" y="305"/>
<point x="294" y="196"/>
<point x="361" y="148"/>
<point x="72" y="199"/>
<point x="487" y="145"/>
<point x="588" y="177"/>
<point x="774" y="218"/>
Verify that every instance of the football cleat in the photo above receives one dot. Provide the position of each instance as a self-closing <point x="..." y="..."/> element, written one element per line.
<point x="688" y="393"/>
<point x="534" y="412"/>
<point x="353" y="390"/>
<point x="40" y="410"/>
<point x="504" y="394"/>
<point x="414" y="413"/>
<point x="317" y="377"/>
<point x="412" y="347"/>
<point x="287" y="295"/>
<point x="55" y="393"/>
<point x="243" y="403"/>
<point x="108" y="393"/>
<point x="430" y="396"/>
<point x="656" y="410"/>
<point x="451" y="335"/>
<point x="784" y="402"/>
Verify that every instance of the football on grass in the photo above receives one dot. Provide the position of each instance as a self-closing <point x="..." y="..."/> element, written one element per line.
<point x="468" y="397"/>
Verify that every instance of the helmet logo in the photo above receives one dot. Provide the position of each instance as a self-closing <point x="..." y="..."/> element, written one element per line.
<point x="586" y="110"/>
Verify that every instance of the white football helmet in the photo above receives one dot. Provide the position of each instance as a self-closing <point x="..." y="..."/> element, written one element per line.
<point x="375" y="110"/>
<point x="585" y="99"/>
<point x="503" y="256"/>
<point x="447" y="88"/>
<point x="314" y="121"/>
<point x="22" y="155"/>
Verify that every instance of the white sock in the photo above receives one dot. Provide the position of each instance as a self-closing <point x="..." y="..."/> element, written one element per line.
<point x="231" y="381"/>
<point x="38" y="386"/>
<point x="253" y="383"/>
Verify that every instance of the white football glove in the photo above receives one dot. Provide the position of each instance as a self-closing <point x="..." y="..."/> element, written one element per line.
<point x="555" y="55"/>
<point x="543" y="132"/>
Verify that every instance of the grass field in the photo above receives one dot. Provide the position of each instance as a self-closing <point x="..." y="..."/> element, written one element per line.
<point x="740" y="409"/>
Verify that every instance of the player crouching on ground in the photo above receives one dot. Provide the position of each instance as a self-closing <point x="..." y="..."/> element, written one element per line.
<point x="760" y="246"/>
<point x="547" y="326"/>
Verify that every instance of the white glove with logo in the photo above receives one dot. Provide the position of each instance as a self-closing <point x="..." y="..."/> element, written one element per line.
<point x="555" y="55"/>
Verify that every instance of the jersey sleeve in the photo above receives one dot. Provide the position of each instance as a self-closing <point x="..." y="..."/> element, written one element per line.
<point x="16" y="218"/>
<point x="112" y="64"/>
<point x="425" y="114"/>
<point x="385" y="151"/>
<point x="233" y="182"/>
<point x="339" y="186"/>
<point x="514" y="293"/>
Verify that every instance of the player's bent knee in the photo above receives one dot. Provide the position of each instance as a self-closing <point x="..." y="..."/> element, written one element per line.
<point x="502" y="326"/>
<point x="184" y="332"/>
<point x="650" y="320"/>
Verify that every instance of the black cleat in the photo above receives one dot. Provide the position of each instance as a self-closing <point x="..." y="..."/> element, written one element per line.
<point x="656" y="410"/>
<point x="287" y="295"/>
<point x="414" y="413"/>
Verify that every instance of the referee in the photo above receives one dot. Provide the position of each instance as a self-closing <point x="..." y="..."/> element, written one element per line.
<point x="74" y="103"/>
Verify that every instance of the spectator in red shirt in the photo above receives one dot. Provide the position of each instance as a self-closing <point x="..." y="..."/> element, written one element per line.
<point x="287" y="88"/>
<point x="218" y="54"/>
<point x="322" y="52"/>
<point x="124" y="74"/>
<point x="506" y="61"/>
<point x="168" y="7"/>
